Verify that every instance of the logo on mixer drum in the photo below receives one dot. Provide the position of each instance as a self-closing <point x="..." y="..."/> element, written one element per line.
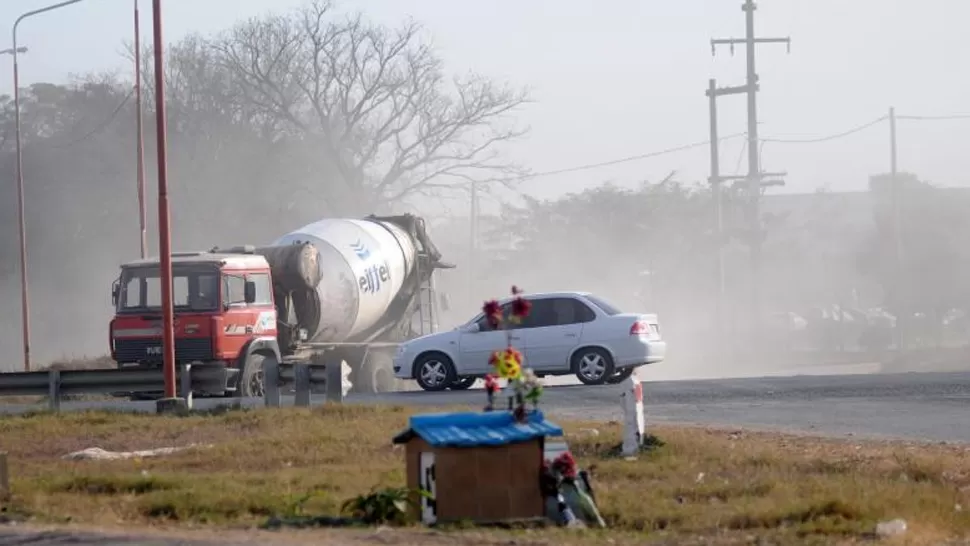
<point x="374" y="278"/>
<point x="360" y="250"/>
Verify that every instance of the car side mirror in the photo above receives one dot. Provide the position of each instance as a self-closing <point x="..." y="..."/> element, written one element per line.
<point x="250" y="292"/>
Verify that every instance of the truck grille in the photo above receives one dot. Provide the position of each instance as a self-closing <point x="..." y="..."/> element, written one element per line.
<point x="149" y="350"/>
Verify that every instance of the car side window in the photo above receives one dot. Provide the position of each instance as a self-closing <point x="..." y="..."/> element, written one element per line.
<point x="543" y="313"/>
<point x="560" y="312"/>
<point x="583" y="312"/>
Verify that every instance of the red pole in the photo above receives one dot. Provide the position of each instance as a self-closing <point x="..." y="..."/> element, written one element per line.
<point x="140" y="138"/>
<point x="164" y="233"/>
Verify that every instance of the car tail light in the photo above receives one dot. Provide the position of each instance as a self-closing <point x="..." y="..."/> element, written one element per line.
<point x="640" y="328"/>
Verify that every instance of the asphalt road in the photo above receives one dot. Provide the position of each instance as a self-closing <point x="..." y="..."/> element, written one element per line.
<point x="919" y="406"/>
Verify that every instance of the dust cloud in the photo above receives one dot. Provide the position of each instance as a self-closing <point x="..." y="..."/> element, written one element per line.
<point x="840" y="280"/>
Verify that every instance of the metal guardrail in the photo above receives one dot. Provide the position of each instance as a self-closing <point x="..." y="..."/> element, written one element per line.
<point x="302" y="378"/>
<point x="210" y="378"/>
<point x="207" y="378"/>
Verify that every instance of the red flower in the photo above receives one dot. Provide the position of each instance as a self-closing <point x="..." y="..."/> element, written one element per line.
<point x="491" y="383"/>
<point x="493" y="313"/>
<point x="565" y="464"/>
<point x="521" y="308"/>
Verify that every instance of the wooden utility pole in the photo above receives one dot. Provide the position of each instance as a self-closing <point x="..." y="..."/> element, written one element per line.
<point x="755" y="175"/>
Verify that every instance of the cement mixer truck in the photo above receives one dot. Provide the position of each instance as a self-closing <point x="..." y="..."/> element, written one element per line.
<point x="348" y="288"/>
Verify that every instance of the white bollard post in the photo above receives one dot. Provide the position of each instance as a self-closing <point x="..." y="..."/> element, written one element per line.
<point x="345" y="383"/>
<point x="633" y="420"/>
<point x="185" y="383"/>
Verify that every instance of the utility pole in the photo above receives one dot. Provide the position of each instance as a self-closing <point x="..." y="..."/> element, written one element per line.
<point x="717" y="193"/>
<point x="755" y="175"/>
<point x="896" y="198"/>
<point x="140" y="140"/>
<point x="472" y="237"/>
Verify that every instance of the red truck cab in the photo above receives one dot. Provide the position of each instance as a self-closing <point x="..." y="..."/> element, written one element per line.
<point x="224" y="312"/>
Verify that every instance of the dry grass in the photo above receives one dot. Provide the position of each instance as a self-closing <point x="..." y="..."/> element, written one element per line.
<point x="702" y="486"/>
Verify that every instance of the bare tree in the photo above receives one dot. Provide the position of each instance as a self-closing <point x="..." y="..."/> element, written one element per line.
<point x="374" y="101"/>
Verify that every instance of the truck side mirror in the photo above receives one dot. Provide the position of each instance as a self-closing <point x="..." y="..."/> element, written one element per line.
<point x="250" y="292"/>
<point x="115" y="293"/>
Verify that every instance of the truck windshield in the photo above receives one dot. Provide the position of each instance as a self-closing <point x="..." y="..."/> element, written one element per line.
<point x="194" y="288"/>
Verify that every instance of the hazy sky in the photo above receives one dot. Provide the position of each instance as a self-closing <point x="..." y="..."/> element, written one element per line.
<point x="620" y="78"/>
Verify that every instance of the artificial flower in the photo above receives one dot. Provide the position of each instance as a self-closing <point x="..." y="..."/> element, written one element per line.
<point x="491" y="384"/>
<point x="507" y="363"/>
<point x="521" y="308"/>
<point x="565" y="465"/>
<point x="493" y="313"/>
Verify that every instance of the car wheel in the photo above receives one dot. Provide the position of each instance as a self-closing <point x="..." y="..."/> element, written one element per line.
<point x="375" y="375"/>
<point x="434" y="372"/>
<point x="620" y="376"/>
<point x="592" y="366"/>
<point x="251" y="379"/>
<point x="463" y="383"/>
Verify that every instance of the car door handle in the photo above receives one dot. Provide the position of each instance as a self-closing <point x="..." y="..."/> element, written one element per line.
<point x="570" y="335"/>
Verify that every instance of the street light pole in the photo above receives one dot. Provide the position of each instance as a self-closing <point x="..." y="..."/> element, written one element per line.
<point x="24" y="299"/>
<point x="164" y="233"/>
<point x="140" y="140"/>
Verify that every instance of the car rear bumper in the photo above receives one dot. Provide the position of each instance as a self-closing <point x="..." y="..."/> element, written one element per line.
<point x="639" y="353"/>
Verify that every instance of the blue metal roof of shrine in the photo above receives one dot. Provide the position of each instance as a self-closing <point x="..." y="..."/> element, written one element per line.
<point x="475" y="429"/>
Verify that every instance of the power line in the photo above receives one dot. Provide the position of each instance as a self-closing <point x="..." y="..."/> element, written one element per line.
<point x="829" y="137"/>
<point x="675" y="149"/>
<point x="101" y="127"/>
<point x="628" y="159"/>
<point x="935" y="118"/>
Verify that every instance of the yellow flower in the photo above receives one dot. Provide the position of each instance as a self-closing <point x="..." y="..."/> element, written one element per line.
<point x="507" y="363"/>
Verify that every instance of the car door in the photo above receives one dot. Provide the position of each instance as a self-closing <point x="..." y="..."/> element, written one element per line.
<point x="475" y="347"/>
<point x="555" y="327"/>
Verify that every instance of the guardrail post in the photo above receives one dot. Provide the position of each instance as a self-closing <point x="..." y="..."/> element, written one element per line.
<point x="271" y="383"/>
<point x="185" y="384"/>
<point x="301" y="380"/>
<point x="335" y="388"/>
<point x="54" y="389"/>
<point x="4" y="478"/>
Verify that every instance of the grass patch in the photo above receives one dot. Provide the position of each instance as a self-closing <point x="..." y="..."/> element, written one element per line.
<point x="697" y="486"/>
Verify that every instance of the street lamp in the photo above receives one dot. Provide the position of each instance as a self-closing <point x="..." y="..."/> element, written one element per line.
<point x="12" y="50"/>
<point x="25" y="306"/>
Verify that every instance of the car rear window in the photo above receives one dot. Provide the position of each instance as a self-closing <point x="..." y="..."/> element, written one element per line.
<point x="604" y="305"/>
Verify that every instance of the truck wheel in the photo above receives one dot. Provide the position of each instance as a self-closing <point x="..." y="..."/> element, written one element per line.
<point x="620" y="376"/>
<point x="375" y="374"/>
<point x="592" y="366"/>
<point x="434" y="372"/>
<point x="463" y="383"/>
<point x="251" y="378"/>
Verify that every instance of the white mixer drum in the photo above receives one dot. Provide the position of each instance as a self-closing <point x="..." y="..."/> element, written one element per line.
<point x="363" y="264"/>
